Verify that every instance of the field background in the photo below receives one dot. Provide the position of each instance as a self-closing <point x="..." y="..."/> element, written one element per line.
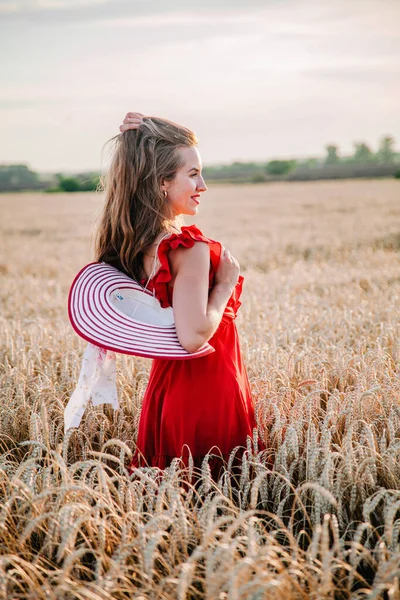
<point x="319" y="328"/>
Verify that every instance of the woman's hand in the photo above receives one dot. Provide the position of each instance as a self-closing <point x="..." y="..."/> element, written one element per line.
<point x="228" y="269"/>
<point x="132" y="120"/>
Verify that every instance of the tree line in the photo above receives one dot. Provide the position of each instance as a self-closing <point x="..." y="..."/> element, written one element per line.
<point x="364" y="162"/>
<point x="16" y="178"/>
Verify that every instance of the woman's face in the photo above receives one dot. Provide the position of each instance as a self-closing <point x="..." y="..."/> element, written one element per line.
<point x="184" y="190"/>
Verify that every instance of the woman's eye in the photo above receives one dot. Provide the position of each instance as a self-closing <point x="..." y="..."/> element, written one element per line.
<point x="194" y="175"/>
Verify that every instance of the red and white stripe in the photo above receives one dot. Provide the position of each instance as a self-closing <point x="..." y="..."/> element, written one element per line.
<point x="95" y="318"/>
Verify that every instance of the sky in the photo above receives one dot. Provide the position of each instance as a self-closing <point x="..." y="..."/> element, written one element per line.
<point x="254" y="79"/>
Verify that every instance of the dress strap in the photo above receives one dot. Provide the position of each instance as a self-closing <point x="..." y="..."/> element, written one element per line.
<point x="154" y="270"/>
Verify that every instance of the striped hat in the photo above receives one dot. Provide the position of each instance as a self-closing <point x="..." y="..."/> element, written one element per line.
<point x="112" y="311"/>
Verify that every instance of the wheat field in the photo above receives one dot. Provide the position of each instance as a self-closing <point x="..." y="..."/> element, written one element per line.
<point x="316" y="516"/>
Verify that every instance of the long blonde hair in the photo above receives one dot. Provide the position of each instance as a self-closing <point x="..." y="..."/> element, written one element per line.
<point x="135" y="209"/>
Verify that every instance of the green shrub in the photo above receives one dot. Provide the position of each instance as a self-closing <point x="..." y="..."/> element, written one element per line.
<point x="259" y="178"/>
<point x="69" y="184"/>
<point x="53" y="190"/>
<point x="280" y="167"/>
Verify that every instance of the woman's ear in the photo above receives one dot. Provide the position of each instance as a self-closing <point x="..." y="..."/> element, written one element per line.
<point x="164" y="187"/>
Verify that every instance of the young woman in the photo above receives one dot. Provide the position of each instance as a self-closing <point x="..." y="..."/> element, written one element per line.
<point x="202" y="404"/>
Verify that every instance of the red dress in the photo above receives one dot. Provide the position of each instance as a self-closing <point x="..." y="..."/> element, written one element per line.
<point x="203" y="403"/>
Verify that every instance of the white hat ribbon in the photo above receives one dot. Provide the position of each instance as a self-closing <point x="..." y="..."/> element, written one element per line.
<point x="97" y="380"/>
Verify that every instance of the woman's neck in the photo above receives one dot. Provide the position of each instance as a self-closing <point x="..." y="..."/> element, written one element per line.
<point x="175" y="224"/>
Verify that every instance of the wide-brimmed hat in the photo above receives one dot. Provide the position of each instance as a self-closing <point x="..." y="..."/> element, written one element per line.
<point x="112" y="311"/>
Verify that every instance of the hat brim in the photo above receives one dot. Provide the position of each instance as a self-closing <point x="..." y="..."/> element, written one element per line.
<point x="96" y="319"/>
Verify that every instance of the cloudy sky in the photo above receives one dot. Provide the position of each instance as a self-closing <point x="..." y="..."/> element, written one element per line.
<point x="255" y="79"/>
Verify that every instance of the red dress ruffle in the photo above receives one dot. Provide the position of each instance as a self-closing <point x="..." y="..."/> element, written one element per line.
<point x="204" y="403"/>
<point x="161" y="279"/>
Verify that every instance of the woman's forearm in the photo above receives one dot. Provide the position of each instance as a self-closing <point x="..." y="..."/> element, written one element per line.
<point x="217" y="301"/>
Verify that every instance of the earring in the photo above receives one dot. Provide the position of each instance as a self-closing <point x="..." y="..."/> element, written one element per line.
<point x="165" y="193"/>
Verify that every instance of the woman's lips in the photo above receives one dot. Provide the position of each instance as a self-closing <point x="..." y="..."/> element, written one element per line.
<point x="196" y="199"/>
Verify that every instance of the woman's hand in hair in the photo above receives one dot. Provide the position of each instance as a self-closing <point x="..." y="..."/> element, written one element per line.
<point x="132" y="120"/>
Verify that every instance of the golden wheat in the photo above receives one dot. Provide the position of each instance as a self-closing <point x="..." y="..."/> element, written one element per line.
<point x="317" y="515"/>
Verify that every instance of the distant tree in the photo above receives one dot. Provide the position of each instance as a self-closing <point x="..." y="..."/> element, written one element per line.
<point x="89" y="183"/>
<point x="362" y="153"/>
<point x="386" y="153"/>
<point x="312" y="162"/>
<point x="259" y="178"/>
<point x="332" y="157"/>
<point x="280" y="167"/>
<point x="69" y="184"/>
<point x="307" y="163"/>
<point x="18" y="177"/>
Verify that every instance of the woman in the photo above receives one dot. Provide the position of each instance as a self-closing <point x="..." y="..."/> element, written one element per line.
<point x="203" y="404"/>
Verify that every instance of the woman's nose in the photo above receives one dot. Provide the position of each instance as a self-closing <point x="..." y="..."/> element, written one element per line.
<point x="202" y="185"/>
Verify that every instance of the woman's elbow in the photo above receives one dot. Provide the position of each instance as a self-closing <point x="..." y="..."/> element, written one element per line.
<point x="192" y="344"/>
<point x="194" y="338"/>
